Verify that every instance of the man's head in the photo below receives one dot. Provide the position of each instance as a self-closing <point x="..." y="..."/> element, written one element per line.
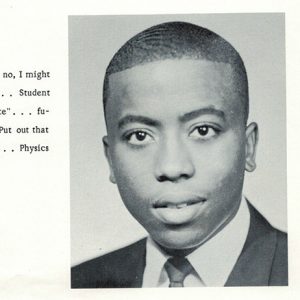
<point x="176" y="105"/>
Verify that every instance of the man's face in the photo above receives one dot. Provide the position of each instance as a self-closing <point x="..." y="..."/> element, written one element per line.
<point x="177" y="146"/>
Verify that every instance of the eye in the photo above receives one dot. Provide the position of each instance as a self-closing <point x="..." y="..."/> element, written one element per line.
<point x="139" y="138"/>
<point x="204" y="132"/>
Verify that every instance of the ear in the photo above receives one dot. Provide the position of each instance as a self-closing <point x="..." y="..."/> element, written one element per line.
<point x="251" y="144"/>
<point x="108" y="158"/>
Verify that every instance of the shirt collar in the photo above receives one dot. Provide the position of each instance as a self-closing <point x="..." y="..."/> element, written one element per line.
<point x="213" y="261"/>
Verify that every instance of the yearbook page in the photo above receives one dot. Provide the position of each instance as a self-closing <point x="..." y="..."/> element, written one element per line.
<point x="133" y="134"/>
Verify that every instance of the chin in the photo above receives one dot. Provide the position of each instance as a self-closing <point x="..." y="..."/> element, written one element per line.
<point x="178" y="241"/>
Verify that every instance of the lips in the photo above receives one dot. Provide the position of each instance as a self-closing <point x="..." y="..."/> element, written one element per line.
<point x="178" y="209"/>
<point x="163" y="203"/>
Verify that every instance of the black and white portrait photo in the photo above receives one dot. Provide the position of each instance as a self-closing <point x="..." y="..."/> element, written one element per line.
<point x="178" y="150"/>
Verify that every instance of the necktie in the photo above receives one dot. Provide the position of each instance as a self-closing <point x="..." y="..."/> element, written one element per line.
<point x="177" y="268"/>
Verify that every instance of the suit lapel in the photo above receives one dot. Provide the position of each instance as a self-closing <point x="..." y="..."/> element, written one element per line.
<point x="131" y="268"/>
<point x="255" y="262"/>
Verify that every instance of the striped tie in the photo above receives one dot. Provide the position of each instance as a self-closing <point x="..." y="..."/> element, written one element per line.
<point x="177" y="268"/>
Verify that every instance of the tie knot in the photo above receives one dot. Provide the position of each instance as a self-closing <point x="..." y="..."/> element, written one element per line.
<point x="177" y="268"/>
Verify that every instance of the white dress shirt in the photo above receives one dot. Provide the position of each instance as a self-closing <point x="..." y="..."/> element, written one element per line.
<point x="212" y="262"/>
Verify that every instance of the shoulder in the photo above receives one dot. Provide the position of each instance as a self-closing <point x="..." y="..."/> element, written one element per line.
<point x="260" y="228"/>
<point x="263" y="260"/>
<point x="279" y="271"/>
<point x="275" y="242"/>
<point x="111" y="270"/>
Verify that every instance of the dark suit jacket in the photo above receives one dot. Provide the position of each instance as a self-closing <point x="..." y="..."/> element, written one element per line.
<point x="263" y="262"/>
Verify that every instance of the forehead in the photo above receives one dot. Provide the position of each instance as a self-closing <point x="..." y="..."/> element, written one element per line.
<point x="172" y="87"/>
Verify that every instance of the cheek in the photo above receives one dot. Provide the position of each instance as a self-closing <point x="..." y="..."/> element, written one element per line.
<point x="131" y="166"/>
<point x="221" y="164"/>
<point x="133" y="172"/>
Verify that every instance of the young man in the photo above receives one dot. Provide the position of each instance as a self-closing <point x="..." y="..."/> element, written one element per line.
<point x="178" y="144"/>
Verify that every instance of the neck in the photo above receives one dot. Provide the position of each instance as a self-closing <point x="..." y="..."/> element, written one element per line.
<point x="177" y="252"/>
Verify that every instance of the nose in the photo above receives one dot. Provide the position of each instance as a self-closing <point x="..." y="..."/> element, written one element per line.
<point x="174" y="162"/>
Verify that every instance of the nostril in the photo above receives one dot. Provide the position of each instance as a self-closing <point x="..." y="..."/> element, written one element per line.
<point x="163" y="178"/>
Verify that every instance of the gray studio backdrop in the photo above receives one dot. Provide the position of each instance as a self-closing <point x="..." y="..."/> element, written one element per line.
<point x="99" y="220"/>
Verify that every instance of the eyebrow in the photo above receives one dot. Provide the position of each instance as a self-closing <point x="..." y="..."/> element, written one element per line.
<point x="128" y="119"/>
<point x="202" y="111"/>
<point x="138" y="119"/>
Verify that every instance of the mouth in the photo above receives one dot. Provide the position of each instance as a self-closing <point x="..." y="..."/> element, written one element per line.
<point x="178" y="209"/>
<point x="177" y="205"/>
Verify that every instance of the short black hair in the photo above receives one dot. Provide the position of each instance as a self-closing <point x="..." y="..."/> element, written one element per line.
<point x="178" y="40"/>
